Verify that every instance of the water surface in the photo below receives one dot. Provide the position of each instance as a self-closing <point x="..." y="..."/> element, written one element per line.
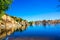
<point x="39" y="31"/>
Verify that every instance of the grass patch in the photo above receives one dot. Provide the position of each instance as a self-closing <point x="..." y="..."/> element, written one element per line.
<point x="1" y="14"/>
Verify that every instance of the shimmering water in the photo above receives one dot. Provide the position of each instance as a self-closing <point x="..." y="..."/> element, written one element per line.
<point x="39" y="31"/>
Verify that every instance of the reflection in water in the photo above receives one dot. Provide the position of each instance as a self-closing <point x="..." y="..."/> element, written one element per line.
<point x="44" y="23"/>
<point x="38" y="31"/>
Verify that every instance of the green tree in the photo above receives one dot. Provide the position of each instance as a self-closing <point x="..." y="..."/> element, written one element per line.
<point x="4" y="4"/>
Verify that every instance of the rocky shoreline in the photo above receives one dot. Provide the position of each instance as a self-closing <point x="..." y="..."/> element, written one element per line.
<point x="9" y="25"/>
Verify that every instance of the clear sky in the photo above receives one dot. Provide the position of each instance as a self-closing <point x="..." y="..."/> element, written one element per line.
<point x="32" y="10"/>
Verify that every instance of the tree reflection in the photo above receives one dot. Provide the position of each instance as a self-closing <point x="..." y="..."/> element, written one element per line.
<point x="44" y="23"/>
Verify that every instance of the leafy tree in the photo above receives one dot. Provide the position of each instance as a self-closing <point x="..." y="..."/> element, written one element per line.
<point x="4" y="4"/>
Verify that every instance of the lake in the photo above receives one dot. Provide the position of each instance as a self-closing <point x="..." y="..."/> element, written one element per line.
<point x="52" y="31"/>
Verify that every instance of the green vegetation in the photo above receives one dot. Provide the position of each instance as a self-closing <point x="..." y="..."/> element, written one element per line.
<point x="4" y="4"/>
<point x="30" y="23"/>
<point x="17" y="19"/>
<point x="1" y="15"/>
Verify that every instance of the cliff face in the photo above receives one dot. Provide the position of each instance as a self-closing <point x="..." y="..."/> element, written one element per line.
<point x="12" y="22"/>
<point x="9" y="24"/>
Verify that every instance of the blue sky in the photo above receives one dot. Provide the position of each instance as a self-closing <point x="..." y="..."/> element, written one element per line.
<point x="33" y="10"/>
